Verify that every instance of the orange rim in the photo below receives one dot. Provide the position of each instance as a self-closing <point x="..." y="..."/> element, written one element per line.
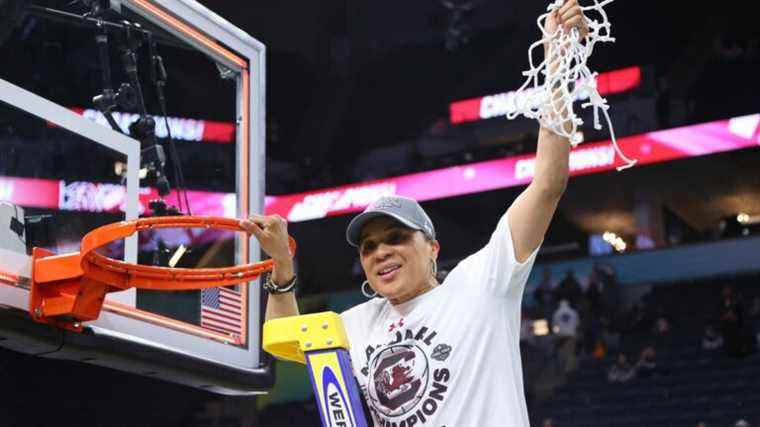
<point x="124" y="275"/>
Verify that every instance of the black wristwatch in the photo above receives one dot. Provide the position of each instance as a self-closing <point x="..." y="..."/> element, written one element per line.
<point x="275" y="289"/>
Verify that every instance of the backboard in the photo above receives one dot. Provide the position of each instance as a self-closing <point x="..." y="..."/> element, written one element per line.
<point x="67" y="168"/>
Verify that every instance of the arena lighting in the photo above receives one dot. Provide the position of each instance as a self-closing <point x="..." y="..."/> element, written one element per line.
<point x="540" y="327"/>
<point x="615" y="241"/>
<point x="747" y="219"/>
<point x="120" y="169"/>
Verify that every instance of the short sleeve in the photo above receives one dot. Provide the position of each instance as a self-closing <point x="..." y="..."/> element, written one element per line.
<point x="494" y="269"/>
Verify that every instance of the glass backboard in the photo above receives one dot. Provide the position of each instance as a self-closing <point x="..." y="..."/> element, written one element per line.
<point x="79" y="151"/>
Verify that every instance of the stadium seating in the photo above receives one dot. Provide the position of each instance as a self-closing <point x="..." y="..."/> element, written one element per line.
<point x="696" y="385"/>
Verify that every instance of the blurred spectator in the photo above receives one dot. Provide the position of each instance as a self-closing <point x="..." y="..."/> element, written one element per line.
<point x="742" y="423"/>
<point x="591" y="310"/>
<point x="701" y="424"/>
<point x="548" y="422"/>
<point x="647" y="365"/>
<point x="662" y="335"/>
<point x="594" y="292"/>
<point x="634" y="320"/>
<point x="569" y="289"/>
<point x="605" y="274"/>
<point x="565" y="326"/>
<point x="731" y="318"/>
<point x="592" y="331"/>
<point x="662" y="326"/>
<point x="621" y="371"/>
<point x="711" y="340"/>
<point x="565" y="320"/>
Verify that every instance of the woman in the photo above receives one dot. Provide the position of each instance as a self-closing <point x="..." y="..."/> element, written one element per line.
<point x="431" y="354"/>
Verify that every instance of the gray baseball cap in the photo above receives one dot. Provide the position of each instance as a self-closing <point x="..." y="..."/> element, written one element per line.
<point x="403" y="209"/>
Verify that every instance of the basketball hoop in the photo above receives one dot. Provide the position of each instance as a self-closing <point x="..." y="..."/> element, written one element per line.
<point x="70" y="288"/>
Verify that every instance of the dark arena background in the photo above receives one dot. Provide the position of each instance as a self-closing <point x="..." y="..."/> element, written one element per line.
<point x="660" y="262"/>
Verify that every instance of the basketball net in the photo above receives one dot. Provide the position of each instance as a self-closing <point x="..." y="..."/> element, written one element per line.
<point x="563" y="76"/>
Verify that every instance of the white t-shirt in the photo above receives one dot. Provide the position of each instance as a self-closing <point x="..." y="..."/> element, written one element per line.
<point x="449" y="357"/>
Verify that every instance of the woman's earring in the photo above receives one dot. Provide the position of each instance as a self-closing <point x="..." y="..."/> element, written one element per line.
<point x="366" y="292"/>
<point x="434" y="268"/>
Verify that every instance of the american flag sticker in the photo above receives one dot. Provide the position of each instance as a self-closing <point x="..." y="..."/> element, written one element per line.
<point x="221" y="310"/>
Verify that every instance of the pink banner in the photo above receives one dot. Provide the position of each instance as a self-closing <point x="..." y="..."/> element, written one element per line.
<point x="588" y="158"/>
<point x="182" y="129"/>
<point x="110" y="198"/>
<point x="104" y="197"/>
<point x="31" y="192"/>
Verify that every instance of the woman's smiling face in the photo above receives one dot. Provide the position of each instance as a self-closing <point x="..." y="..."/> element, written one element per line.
<point x="396" y="259"/>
